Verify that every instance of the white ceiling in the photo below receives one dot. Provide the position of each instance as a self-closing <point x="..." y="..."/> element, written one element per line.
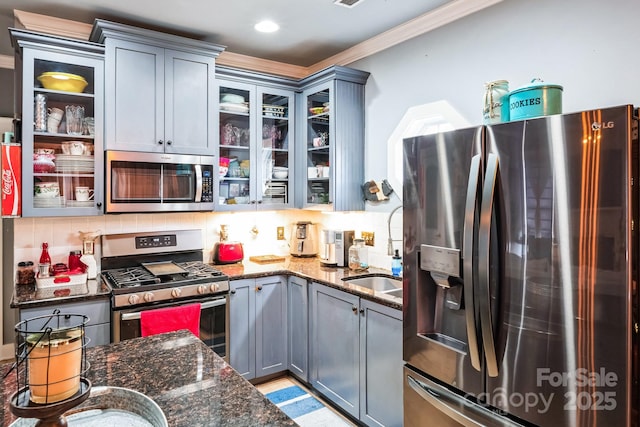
<point x="311" y="30"/>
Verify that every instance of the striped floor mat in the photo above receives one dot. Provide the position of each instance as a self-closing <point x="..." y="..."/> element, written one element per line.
<point x="306" y="410"/>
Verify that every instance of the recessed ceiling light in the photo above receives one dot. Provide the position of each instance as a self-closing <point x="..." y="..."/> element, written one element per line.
<point x="267" y="26"/>
<point x="347" y="3"/>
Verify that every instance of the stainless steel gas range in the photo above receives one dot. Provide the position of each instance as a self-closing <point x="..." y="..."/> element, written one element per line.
<point x="152" y="270"/>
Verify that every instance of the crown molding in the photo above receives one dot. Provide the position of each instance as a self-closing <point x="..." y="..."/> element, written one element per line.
<point x="436" y="18"/>
<point x="245" y="62"/>
<point x="51" y="25"/>
<point x="7" y="61"/>
<point x="420" y="25"/>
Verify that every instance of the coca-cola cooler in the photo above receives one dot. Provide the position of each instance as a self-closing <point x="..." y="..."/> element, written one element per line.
<point x="11" y="179"/>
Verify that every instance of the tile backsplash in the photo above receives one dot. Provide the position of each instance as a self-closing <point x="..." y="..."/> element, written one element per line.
<point x="256" y="230"/>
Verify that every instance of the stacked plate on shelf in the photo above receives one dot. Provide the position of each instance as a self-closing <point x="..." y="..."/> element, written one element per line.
<point x="79" y="203"/>
<point x="68" y="163"/>
<point x="233" y="103"/>
<point x="276" y="192"/>
<point x="48" y="202"/>
<point x="272" y="110"/>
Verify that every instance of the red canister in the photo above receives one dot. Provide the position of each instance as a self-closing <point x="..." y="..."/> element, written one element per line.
<point x="75" y="265"/>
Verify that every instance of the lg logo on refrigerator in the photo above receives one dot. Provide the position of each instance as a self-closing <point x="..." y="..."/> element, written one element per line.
<point x="601" y="125"/>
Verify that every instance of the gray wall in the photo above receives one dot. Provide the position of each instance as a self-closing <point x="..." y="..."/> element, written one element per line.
<point x="589" y="47"/>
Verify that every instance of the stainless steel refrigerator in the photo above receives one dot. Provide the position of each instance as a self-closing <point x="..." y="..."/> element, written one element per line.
<point x="520" y="273"/>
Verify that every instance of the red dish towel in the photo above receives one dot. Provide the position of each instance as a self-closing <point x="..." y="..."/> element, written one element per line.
<point x="171" y="319"/>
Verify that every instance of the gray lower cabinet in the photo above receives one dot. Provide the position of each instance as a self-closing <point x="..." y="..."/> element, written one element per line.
<point x="335" y="348"/>
<point x="98" y="327"/>
<point x="380" y="365"/>
<point x="356" y="355"/>
<point x="258" y="326"/>
<point x="297" y="322"/>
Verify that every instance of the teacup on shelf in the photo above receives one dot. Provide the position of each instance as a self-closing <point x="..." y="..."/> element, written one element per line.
<point x="46" y="189"/>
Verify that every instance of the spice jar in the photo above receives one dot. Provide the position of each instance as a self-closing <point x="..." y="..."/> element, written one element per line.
<point x="26" y="273"/>
<point x="358" y="256"/>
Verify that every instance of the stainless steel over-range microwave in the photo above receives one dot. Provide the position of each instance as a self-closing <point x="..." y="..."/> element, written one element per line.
<point x="154" y="182"/>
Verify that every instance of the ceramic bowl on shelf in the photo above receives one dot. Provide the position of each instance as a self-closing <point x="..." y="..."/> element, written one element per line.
<point x="65" y="82"/>
<point x="280" y="172"/>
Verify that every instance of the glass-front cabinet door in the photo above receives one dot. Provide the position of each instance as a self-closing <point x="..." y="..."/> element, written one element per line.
<point x="255" y="147"/>
<point x="318" y="144"/>
<point x="331" y="172"/>
<point x="62" y="116"/>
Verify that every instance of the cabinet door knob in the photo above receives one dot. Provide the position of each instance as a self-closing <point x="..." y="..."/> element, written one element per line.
<point x="258" y="288"/>
<point x="355" y="310"/>
<point x="160" y="142"/>
<point x="232" y="291"/>
<point x="169" y="142"/>
<point x="362" y="311"/>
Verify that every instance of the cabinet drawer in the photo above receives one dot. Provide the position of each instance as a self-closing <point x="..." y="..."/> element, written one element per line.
<point x="98" y="311"/>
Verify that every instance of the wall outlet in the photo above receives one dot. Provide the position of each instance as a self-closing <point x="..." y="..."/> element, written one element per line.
<point x="280" y="233"/>
<point x="369" y="238"/>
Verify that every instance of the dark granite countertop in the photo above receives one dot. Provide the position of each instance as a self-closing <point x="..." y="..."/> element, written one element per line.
<point x="306" y="268"/>
<point x="191" y="384"/>
<point x="28" y="296"/>
<point x="311" y="269"/>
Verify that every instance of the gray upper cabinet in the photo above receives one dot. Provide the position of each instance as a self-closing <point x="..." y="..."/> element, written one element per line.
<point x="51" y="172"/>
<point x="330" y="140"/>
<point x="256" y="149"/>
<point x="160" y="90"/>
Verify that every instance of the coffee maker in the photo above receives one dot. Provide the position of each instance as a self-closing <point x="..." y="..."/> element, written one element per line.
<point x="328" y="248"/>
<point x="343" y="241"/>
<point x="303" y="239"/>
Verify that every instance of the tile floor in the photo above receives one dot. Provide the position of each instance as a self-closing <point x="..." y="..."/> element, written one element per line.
<point x="286" y="381"/>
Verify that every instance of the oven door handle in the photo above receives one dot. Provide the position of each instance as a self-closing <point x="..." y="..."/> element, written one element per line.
<point x="203" y="306"/>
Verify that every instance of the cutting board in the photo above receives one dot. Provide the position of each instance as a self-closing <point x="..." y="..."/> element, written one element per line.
<point x="265" y="259"/>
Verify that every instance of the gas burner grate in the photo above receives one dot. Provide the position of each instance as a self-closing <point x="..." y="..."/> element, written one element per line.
<point x="131" y="277"/>
<point x="199" y="269"/>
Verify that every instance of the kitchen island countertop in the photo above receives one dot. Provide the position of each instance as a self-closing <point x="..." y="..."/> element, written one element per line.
<point x="191" y="384"/>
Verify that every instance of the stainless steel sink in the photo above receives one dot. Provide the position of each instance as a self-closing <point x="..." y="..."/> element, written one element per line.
<point x="376" y="283"/>
<point x="394" y="293"/>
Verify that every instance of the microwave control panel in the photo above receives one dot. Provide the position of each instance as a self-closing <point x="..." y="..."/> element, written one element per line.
<point x="207" y="185"/>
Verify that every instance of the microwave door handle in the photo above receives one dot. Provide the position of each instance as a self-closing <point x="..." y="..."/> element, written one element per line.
<point x="484" y="269"/>
<point x="470" y="221"/>
<point x="198" y="172"/>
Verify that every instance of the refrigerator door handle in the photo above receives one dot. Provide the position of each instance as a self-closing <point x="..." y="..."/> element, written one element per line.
<point x="470" y="221"/>
<point x="484" y="269"/>
<point x="438" y="396"/>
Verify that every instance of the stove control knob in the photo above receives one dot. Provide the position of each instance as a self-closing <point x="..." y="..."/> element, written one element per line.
<point x="176" y="292"/>
<point x="134" y="299"/>
<point x="215" y="287"/>
<point x="148" y="297"/>
<point x="202" y="289"/>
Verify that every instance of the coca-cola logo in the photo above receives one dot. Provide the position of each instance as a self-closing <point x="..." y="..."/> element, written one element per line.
<point x="7" y="181"/>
